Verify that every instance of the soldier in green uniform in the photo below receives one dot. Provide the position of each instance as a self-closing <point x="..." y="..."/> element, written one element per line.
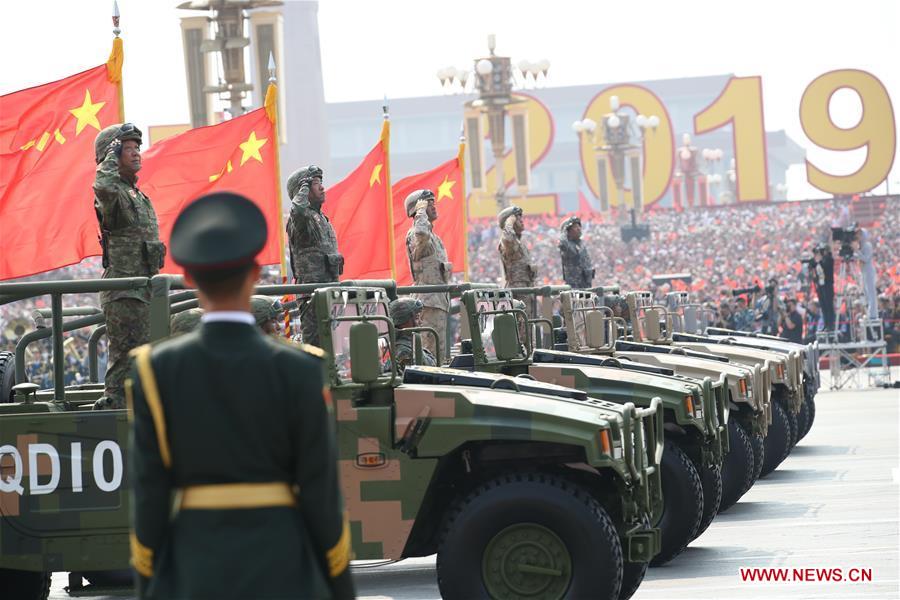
<point x="268" y="313"/>
<point x="311" y="241"/>
<point x="428" y="264"/>
<point x="233" y="454"/>
<point x="406" y="312"/>
<point x="185" y="321"/>
<point x="578" y="271"/>
<point x="129" y="237"/>
<point x="517" y="265"/>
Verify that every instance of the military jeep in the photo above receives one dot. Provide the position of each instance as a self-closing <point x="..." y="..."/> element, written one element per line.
<point x="521" y="488"/>
<point x="782" y="372"/>
<point x="591" y="328"/>
<point x="695" y="411"/>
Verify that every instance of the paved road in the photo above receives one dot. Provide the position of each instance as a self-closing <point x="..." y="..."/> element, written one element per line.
<point x="834" y="503"/>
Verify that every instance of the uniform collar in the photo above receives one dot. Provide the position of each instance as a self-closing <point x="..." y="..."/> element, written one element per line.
<point x="230" y="316"/>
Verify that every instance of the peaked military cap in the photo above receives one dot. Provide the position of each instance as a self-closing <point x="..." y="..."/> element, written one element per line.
<point x="218" y="231"/>
<point x="506" y="212"/>
<point x="569" y="222"/>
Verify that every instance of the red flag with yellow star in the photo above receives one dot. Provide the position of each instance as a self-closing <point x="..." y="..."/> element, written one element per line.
<point x="359" y="208"/>
<point x="238" y="155"/>
<point x="448" y="185"/>
<point x="47" y="168"/>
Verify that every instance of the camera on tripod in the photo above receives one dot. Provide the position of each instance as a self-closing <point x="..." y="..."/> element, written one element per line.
<point x="846" y="236"/>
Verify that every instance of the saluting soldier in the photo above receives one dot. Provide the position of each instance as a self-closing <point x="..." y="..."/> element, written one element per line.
<point x="406" y="312"/>
<point x="311" y="241"/>
<point x="578" y="271"/>
<point x="129" y="238"/>
<point x="428" y="264"/>
<point x="517" y="266"/>
<point x="233" y="468"/>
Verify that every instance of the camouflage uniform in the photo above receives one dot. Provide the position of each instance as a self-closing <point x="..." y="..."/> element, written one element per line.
<point x="131" y="235"/>
<point x="578" y="271"/>
<point x="185" y="322"/>
<point x="517" y="266"/>
<point x="312" y="243"/>
<point x="267" y="310"/>
<point x="429" y="266"/>
<point x="402" y="311"/>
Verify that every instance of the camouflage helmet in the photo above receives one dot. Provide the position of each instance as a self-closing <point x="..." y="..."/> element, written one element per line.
<point x="185" y="321"/>
<point x="265" y="309"/>
<point x="573" y="220"/>
<point x="506" y="212"/>
<point x="414" y="198"/>
<point x="297" y="177"/>
<point x="121" y="131"/>
<point x="404" y="308"/>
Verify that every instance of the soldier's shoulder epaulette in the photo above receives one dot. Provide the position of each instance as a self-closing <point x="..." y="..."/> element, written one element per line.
<point x="305" y="348"/>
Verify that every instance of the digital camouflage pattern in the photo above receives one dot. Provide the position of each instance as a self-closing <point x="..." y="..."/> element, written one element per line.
<point x="127" y="327"/>
<point x="313" y="245"/>
<point x="133" y="249"/>
<point x="429" y="266"/>
<point x="185" y="321"/>
<point x="578" y="270"/>
<point x="517" y="266"/>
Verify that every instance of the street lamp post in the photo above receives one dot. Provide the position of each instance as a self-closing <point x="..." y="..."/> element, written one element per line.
<point x="493" y="79"/>
<point x="621" y="147"/>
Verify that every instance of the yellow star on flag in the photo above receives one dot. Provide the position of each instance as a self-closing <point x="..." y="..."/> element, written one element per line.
<point x="445" y="189"/>
<point x="376" y="175"/>
<point x="87" y="113"/>
<point x="251" y="147"/>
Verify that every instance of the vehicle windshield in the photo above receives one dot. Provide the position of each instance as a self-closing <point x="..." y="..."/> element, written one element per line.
<point x="340" y="334"/>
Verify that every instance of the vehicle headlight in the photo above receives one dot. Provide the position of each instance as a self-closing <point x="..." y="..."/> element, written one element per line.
<point x="742" y="384"/>
<point x="779" y="369"/>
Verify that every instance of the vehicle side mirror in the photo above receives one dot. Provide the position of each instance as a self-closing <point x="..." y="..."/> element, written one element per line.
<point x="595" y="330"/>
<point x="365" y="360"/>
<point x="506" y="337"/>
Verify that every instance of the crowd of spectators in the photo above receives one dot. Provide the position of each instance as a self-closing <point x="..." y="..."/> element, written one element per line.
<point x="722" y="249"/>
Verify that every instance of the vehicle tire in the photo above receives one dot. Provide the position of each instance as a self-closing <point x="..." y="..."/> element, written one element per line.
<point x="792" y="421"/>
<point x="737" y="466"/>
<point x="802" y="420"/>
<point x="778" y="440"/>
<point x="811" y="412"/>
<point x="25" y="585"/>
<point x="711" y="480"/>
<point x="7" y="375"/>
<point x="682" y="503"/>
<point x="532" y="519"/>
<point x="118" y="578"/>
<point x="758" y="443"/>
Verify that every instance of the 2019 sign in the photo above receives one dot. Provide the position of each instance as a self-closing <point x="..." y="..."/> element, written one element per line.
<point x="739" y="104"/>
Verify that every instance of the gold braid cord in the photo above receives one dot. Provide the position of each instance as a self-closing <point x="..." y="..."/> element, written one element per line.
<point x="339" y="556"/>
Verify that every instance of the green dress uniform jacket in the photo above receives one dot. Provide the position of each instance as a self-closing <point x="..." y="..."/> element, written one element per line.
<point x="225" y="417"/>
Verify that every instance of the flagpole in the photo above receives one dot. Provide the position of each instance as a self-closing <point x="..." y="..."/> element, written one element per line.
<point x="271" y="104"/>
<point x="386" y="147"/>
<point x="461" y="160"/>
<point x="115" y="60"/>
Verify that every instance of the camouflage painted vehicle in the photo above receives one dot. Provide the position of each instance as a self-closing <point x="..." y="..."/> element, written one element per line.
<point x="695" y="411"/>
<point x="590" y="328"/>
<point x="808" y="352"/>
<point x="461" y="464"/>
<point x="782" y="373"/>
<point x="693" y="318"/>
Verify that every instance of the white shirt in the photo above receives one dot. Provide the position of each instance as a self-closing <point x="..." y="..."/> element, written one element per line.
<point x="231" y="316"/>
